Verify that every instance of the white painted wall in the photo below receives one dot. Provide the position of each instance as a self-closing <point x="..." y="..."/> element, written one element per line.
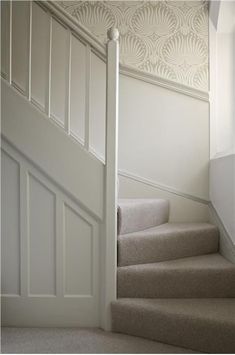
<point x="181" y="209"/>
<point x="164" y="136"/>
<point x="222" y="80"/>
<point x="222" y="114"/>
<point x="222" y="190"/>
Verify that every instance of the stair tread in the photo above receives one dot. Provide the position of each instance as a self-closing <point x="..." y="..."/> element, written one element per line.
<point x="211" y="309"/>
<point x="199" y="276"/>
<point x="213" y="261"/>
<point x="169" y="228"/>
<point x="167" y="241"/>
<point x="205" y="324"/>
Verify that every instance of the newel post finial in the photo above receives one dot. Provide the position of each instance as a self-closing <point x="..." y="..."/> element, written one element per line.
<point x="113" y="34"/>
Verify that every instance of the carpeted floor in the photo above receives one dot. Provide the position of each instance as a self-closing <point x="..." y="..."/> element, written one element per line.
<point x="78" y="341"/>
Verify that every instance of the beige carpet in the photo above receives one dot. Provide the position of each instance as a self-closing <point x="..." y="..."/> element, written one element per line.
<point x="78" y="341"/>
<point x="173" y="285"/>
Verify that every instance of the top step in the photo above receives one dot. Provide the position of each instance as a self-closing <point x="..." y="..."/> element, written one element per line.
<point x="138" y="214"/>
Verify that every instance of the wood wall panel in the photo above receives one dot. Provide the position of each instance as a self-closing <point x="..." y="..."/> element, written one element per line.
<point x="78" y="248"/>
<point x="10" y="244"/>
<point x="40" y="55"/>
<point x="97" y="105"/>
<point x="59" y="71"/>
<point x="20" y="44"/>
<point x="42" y="239"/>
<point x="50" y="262"/>
<point x="78" y="82"/>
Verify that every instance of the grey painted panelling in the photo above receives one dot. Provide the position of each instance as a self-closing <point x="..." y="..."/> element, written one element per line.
<point x="165" y="38"/>
<point x="40" y="55"/>
<point x="10" y="244"/>
<point x="20" y="44"/>
<point x="42" y="242"/>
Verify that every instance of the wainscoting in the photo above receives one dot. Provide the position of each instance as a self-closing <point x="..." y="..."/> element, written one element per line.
<point x="50" y="251"/>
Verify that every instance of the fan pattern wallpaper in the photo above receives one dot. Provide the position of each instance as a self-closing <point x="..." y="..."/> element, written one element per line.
<point x="165" y="38"/>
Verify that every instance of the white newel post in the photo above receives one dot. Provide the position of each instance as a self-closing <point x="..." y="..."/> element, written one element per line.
<point x="110" y="233"/>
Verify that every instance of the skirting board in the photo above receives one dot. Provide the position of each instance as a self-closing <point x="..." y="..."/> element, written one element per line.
<point x="162" y="187"/>
<point x="227" y="247"/>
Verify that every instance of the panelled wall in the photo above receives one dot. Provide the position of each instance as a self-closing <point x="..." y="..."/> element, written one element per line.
<point x="50" y="251"/>
<point x="163" y="136"/>
<point x="63" y="76"/>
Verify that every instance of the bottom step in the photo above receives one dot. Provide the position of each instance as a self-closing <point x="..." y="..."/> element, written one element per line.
<point x="206" y="325"/>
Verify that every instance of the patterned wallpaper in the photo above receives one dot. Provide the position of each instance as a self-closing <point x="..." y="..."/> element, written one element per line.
<point x="165" y="38"/>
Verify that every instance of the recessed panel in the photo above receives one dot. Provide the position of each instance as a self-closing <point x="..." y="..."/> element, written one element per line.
<point x="78" y="71"/>
<point x="42" y="243"/>
<point x="40" y="55"/>
<point x="5" y="31"/>
<point x="10" y="244"/>
<point x="20" y="44"/>
<point x="97" y="105"/>
<point x="59" y="71"/>
<point x="78" y="254"/>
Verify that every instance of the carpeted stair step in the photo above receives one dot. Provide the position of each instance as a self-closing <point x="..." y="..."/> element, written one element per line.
<point x="167" y="241"/>
<point x="206" y="276"/>
<point x="138" y="214"/>
<point x="206" y="325"/>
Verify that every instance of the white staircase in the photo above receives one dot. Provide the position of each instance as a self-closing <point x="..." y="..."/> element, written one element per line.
<point x="59" y="130"/>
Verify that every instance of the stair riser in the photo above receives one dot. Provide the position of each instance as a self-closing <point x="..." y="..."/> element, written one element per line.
<point x="134" y="250"/>
<point x="208" y="284"/>
<point x="195" y="334"/>
<point x="139" y="214"/>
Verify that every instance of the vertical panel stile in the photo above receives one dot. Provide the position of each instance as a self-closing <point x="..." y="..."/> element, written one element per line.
<point x="87" y="97"/>
<point x="10" y="226"/>
<point x="24" y="232"/>
<point x="48" y="98"/>
<point x="30" y="50"/>
<point x="59" y="246"/>
<point x="68" y="98"/>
